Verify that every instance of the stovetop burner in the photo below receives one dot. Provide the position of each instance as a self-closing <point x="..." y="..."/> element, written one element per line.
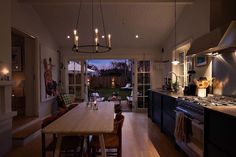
<point x="210" y="101"/>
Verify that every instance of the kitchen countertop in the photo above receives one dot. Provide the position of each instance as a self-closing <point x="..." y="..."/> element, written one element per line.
<point x="168" y="93"/>
<point x="230" y="110"/>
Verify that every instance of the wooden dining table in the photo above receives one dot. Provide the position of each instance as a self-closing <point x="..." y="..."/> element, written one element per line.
<point x="82" y="121"/>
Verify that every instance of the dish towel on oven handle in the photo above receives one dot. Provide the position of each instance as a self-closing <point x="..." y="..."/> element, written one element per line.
<point x="183" y="127"/>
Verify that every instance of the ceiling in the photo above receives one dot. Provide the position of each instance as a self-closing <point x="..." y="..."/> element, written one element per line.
<point x="152" y="20"/>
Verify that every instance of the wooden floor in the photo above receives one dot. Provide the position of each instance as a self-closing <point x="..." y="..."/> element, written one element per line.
<point x="141" y="138"/>
<point x="125" y="106"/>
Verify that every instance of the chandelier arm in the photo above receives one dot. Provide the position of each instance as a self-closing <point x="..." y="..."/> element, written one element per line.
<point x="77" y="21"/>
<point x="94" y="47"/>
<point x="103" y="23"/>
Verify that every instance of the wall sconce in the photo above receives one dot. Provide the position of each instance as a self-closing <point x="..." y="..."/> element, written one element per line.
<point x="5" y="74"/>
<point x="5" y="71"/>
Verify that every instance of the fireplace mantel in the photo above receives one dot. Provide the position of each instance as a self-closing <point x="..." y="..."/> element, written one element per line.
<point x="6" y="115"/>
<point x="6" y="83"/>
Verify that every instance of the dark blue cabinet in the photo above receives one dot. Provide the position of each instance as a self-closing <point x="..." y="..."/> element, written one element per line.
<point x="156" y="107"/>
<point x="220" y="134"/>
<point x="162" y="111"/>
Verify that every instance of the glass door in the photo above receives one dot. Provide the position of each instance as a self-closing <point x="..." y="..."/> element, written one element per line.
<point x="74" y="76"/>
<point x="144" y="82"/>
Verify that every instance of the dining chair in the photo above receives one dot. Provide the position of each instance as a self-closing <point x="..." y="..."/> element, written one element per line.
<point x="117" y="108"/>
<point x="70" y="144"/>
<point x="112" y="140"/>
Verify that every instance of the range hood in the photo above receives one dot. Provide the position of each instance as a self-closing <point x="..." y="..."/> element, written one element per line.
<point x="220" y="39"/>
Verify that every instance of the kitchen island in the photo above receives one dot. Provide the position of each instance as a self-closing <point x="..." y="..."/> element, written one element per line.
<point x="219" y="121"/>
<point x="162" y="110"/>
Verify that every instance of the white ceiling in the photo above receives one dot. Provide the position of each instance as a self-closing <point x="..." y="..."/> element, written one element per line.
<point x="153" y="21"/>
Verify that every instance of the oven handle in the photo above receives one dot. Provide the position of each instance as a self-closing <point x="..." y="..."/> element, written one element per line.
<point x="197" y="124"/>
<point x="185" y="114"/>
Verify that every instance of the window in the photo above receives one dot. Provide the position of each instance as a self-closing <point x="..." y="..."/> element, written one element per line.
<point x="144" y="83"/>
<point x="74" y="76"/>
<point x="182" y="69"/>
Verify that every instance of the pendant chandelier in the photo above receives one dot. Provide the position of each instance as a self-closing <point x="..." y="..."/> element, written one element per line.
<point x="175" y="62"/>
<point x="97" y="44"/>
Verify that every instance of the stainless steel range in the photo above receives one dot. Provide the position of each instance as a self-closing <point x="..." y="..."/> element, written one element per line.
<point x="192" y="108"/>
<point x="192" y="112"/>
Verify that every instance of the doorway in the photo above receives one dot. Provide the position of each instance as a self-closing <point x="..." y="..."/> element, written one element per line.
<point x="23" y="74"/>
<point x="111" y="80"/>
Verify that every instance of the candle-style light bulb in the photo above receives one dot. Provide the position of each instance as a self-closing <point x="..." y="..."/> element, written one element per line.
<point x="96" y="31"/>
<point x="96" y="36"/>
<point x="77" y="40"/>
<point x="109" y="40"/>
<point x="96" y="41"/>
<point x="75" y="31"/>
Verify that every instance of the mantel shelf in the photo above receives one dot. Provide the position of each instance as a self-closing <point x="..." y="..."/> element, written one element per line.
<point x="6" y="116"/>
<point x="6" y="83"/>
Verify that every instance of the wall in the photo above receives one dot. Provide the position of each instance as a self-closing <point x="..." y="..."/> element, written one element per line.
<point x="25" y="19"/>
<point x="5" y="92"/>
<point x="116" y="53"/>
<point x="194" y="22"/>
<point x="134" y="54"/>
<point x="205" y="70"/>
<point x="5" y="33"/>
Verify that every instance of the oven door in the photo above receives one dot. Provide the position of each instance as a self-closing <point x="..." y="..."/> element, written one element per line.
<point x="194" y="145"/>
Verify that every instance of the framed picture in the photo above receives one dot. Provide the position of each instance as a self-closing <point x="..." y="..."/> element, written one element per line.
<point x="16" y="59"/>
<point x="200" y="61"/>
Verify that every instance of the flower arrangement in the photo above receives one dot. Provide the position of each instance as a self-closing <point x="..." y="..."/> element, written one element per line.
<point x="202" y="83"/>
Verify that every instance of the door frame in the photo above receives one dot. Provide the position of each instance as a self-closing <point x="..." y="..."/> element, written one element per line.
<point x="32" y="96"/>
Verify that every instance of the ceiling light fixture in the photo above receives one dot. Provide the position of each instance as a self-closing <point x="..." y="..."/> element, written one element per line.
<point x="96" y="46"/>
<point x="137" y="36"/>
<point x="175" y="62"/>
<point x="68" y="37"/>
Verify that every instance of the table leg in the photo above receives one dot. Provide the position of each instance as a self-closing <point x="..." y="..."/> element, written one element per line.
<point x="43" y="145"/>
<point x="102" y="144"/>
<point x="58" y="146"/>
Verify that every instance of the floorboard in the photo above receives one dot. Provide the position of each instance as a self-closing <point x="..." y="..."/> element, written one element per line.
<point x="141" y="138"/>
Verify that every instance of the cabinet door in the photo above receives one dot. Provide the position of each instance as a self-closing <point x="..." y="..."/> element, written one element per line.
<point x="157" y="107"/>
<point x="150" y="104"/>
<point x="220" y="131"/>
<point x="169" y="104"/>
<point x="212" y="151"/>
<point x="168" y="125"/>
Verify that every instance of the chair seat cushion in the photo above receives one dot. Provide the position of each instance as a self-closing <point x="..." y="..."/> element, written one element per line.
<point x="72" y="106"/>
<point x="64" y="100"/>
<point x="48" y="120"/>
<point x="62" y="111"/>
